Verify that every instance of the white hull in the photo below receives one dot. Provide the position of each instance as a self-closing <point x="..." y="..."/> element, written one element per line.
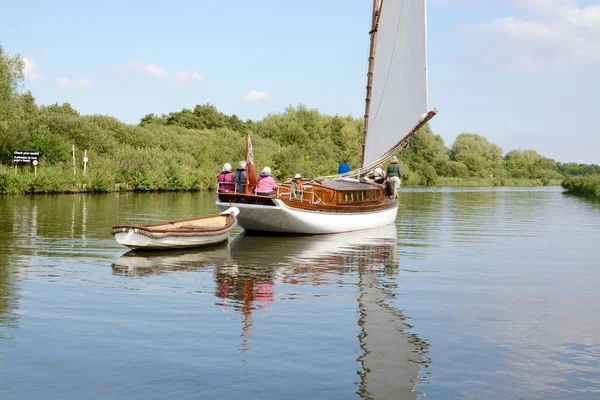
<point x="281" y="218"/>
<point x="135" y="241"/>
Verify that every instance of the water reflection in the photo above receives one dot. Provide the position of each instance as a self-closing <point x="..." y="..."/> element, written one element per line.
<point x="507" y="295"/>
<point x="140" y="263"/>
<point x="248" y="271"/>
<point x="389" y="359"/>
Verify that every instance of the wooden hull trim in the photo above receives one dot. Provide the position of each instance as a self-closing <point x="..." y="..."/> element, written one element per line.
<point x="191" y="232"/>
<point x="286" y="219"/>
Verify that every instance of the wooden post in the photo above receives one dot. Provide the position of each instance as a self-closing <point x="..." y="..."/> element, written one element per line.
<point x="73" y="151"/>
<point x="85" y="160"/>
<point x="375" y="22"/>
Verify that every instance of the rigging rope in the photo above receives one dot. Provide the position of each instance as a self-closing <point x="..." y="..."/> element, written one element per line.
<point x="403" y="143"/>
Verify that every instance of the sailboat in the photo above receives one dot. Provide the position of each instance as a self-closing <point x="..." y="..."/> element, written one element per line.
<point x="395" y="105"/>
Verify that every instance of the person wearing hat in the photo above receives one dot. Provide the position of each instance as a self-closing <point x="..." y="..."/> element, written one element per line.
<point x="393" y="177"/>
<point x="379" y="175"/>
<point x="266" y="184"/>
<point x="297" y="187"/>
<point x="225" y="179"/>
<point x="239" y="178"/>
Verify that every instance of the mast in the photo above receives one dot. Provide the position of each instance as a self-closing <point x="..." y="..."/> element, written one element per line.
<point x="375" y="21"/>
<point x="247" y="137"/>
<point x="426" y="80"/>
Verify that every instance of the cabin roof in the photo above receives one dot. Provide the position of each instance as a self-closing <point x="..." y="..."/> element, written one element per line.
<point x="346" y="185"/>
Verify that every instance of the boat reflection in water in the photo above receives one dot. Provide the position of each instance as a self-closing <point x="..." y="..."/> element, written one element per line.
<point x="248" y="269"/>
<point x="140" y="262"/>
<point x="391" y="357"/>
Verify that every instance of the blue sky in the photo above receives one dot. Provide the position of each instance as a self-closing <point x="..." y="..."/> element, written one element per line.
<point x="523" y="73"/>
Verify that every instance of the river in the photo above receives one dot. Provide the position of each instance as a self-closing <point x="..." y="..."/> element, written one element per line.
<point x="474" y="293"/>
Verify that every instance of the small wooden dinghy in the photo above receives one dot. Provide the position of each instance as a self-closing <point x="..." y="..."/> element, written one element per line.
<point x="192" y="232"/>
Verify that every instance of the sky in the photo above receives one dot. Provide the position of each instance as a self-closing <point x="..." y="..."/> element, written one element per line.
<point x="523" y="73"/>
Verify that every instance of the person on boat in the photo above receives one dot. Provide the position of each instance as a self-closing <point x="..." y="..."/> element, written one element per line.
<point x="343" y="167"/>
<point x="297" y="187"/>
<point x="379" y="175"/>
<point x="225" y="179"/>
<point x="393" y="177"/>
<point x="239" y="178"/>
<point x="266" y="184"/>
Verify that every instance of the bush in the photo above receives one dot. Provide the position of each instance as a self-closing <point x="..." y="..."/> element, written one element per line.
<point x="428" y="175"/>
<point x="456" y="169"/>
<point x="583" y="185"/>
<point x="9" y="182"/>
<point x="54" y="179"/>
<point x="100" y="180"/>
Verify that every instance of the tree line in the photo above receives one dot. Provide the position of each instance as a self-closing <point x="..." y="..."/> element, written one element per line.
<point x="184" y="150"/>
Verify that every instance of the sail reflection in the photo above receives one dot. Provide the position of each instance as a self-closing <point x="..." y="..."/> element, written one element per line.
<point x="391" y="358"/>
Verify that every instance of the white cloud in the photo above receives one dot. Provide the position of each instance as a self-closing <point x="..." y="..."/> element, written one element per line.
<point x="74" y="83"/>
<point x="185" y="76"/>
<point x="30" y="69"/>
<point x="553" y="34"/>
<point x="155" y="70"/>
<point x="149" y="68"/>
<point x="256" y="95"/>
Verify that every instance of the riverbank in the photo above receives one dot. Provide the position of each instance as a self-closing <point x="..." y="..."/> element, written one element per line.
<point x="583" y="185"/>
<point x="60" y="179"/>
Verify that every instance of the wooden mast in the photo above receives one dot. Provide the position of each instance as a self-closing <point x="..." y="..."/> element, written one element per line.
<point x="247" y="150"/>
<point x="375" y="22"/>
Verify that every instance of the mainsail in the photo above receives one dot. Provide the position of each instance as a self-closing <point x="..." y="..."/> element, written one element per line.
<point x="399" y="88"/>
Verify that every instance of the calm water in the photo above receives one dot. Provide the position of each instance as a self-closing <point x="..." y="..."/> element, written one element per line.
<point x="473" y="294"/>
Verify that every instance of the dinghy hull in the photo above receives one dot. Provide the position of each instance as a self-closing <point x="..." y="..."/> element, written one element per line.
<point x="136" y="241"/>
<point x="192" y="232"/>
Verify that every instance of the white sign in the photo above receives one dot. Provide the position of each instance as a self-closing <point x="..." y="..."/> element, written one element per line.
<point x="35" y="162"/>
<point x="85" y="159"/>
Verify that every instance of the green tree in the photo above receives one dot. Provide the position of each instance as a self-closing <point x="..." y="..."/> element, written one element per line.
<point x="210" y="117"/>
<point x="11" y="77"/>
<point x="185" y="119"/>
<point x="236" y="124"/>
<point x="477" y="153"/>
<point x="152" y="119"/>
<point x="64" y="108"/>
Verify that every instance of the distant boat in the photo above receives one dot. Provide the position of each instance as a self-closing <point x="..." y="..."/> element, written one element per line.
<point x="396" y="108"/>
<point x="191" y="232"/>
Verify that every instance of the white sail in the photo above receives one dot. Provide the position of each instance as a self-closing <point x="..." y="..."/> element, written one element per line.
<point x="399" y="93"/>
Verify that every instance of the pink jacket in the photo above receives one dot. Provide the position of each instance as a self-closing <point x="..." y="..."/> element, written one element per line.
<point x="225" y="179"/>
<point x="266" y="183"/>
